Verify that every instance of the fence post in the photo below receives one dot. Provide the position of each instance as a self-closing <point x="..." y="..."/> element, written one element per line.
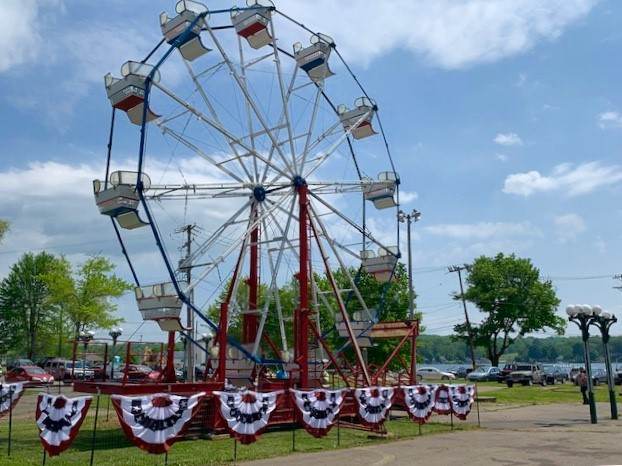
<point x="10" y="419"/>
<point x="95" y="427"/>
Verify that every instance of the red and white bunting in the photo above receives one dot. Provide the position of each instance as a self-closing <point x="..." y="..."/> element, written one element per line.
<point x="462" y="397"/>
<point x="442" y="399"/>
<point x="154" y="422"/>
<point x="374" y="403"/>
<point x="59" y="420"/>
<point x="246" y="413"/>
<point x="419" y="400"/>
<point x="9" y="395"/>
<point x="318" y="408"/>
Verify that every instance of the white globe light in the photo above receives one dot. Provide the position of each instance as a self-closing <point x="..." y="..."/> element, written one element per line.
<point x="571" y="310"/>
<point x="586" y="309"/>
<point x="605" y="315"/>
<point x="597" y="310"/>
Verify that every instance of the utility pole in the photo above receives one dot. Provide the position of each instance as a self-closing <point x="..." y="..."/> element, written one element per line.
<point x="410" y="218"/>
<point x="188" y="230"/>
<point x="459" y="269"/>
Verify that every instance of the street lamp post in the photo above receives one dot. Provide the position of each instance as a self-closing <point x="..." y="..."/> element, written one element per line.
<point x="410" y="218"/>
<point x="604" y="321"/>
<point x="85" y="337"/>
<point x="582" y="316"/>
<point x="115" y="333"/>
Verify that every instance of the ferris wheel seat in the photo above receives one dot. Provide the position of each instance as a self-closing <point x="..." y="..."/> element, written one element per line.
<point x="128" y="93"/>
<point x="252" y="25"/>
<point x="175" y="30"/>
<point x="382" y="265"/>
<point x="382" y="192"/>
<point x="131" y="220"/>
<point x="161" y="297"/>
<point x="116" y="200"/>
<point x="359" y="120"/>
<point x="314" y="59"/>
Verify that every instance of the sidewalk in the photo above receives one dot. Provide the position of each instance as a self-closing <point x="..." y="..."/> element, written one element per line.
<point x="557" y="434"/>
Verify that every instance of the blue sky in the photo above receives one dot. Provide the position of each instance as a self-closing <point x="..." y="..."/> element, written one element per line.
<point x="504" y="118"/>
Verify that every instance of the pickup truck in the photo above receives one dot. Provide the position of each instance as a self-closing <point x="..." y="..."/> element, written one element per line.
<point x="526" y="374"/>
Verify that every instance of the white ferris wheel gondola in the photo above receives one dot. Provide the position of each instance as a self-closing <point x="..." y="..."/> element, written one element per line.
<point x="128" y="92"/>
<point x="382" y="192"/>
<point x="252" y="23"/>
<point x="359" y="119"/>
<point x="184" y="30"/>
<point x="160" y="303"/>
<point x="118" y="198"/>
<point x="382" y="264"/>
<point x="314" y="58"/>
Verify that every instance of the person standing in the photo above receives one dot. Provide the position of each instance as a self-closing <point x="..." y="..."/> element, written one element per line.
<point x="582" y="382"/>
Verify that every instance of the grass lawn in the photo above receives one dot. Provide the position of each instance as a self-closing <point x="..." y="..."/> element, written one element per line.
<point x="113" y="449"/>
<point x="560" y="393"/>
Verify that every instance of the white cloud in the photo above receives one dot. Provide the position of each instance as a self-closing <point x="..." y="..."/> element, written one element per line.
<point x="19" y="36"/>
<point x="572" y="180"/>
<point x="501" y="157"/>
<point x="508" y="139"/>
<point x="447" y="33"/>
<point x="407" y="197"/>
<point x="482" y="230"/>
<point x="569" y="226"/>
<point x="610" y="120"/>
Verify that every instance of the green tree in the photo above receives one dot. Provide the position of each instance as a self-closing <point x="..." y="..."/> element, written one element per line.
<point x="84" y="295"/>
<point x="26" y="312"/>
<point x="514" y="300"/>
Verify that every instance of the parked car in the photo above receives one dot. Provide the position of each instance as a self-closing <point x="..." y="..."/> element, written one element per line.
<point x="79" y="371"/>
<point x="617" y="376"/>
<point x="526" y="374"/>
<point x="599" y="376"/>
<point x="484" y="374"/>
<point x="507" y="369"/>
<point x="29" y="375"/>
<point x="554" y="374"/>
<point x="461" y="371"/>
<point x="428" y="373"/>
<point x="22" y="362"/>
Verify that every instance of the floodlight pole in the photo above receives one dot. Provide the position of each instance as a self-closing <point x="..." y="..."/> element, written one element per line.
<point x="410" y="218"/>
<point x="604" y="322"/>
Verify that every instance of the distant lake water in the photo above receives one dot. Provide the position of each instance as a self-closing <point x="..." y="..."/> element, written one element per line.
<point x="569" y="365"/>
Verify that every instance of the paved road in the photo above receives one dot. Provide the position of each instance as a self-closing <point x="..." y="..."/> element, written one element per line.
<point x="557" y="434"/>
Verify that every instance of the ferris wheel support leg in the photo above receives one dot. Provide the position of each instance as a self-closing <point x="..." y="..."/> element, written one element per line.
<point x="250" y="321"/>
<point x="169" y="372"/>
<point x="302" y="321"/>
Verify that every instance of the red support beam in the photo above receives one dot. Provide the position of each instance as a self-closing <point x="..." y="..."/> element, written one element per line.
<point x="392" y="355"/>
<point x="169" y="372"/>
<point x="302" y="327"/>
<point x="250" y="322"/>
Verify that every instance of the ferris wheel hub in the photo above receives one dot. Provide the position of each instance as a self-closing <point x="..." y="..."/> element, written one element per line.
<point x="299" y="181"/>
<point x="259" y="193"/>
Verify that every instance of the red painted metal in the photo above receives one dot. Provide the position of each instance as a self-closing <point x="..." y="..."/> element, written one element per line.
<point x="302" y="331"/>
<point x="250" y="322"/>
<point x="330" y="355"/>
<point x="128" y="356"/>
<point x="392" y="355"/>
<point x="169" y="372"/>
<point x="413" y="353"/>
<point x="341" y="305"/>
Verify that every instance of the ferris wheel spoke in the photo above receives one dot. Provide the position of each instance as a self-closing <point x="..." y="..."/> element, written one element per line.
<point x="290" y="134"/>
<point x="214" y="115"/>
<point x="222" y="130"/>
<point x="368" y="235"/>
<point x="342" y="264"/>
<point x="250" y="101"/>
<point x="236" y="243"/>
<point x="336" y="145"/>
<point x="249" y="117"/>
<point x="316" y="106"/>
<point x="204" y="247"/>
<point x="290" y="91"/>
<point x="274" y="270"/>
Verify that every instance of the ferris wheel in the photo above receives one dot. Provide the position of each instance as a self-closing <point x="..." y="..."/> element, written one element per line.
<point x="253" y="127"/>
